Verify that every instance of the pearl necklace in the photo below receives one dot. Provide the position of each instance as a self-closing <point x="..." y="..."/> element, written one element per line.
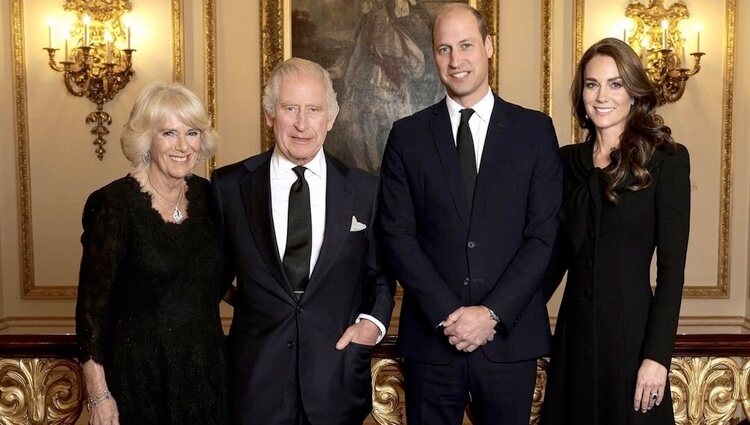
<point x="177" y="215"/>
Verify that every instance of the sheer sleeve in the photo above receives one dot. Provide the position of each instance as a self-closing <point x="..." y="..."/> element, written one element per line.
<point x="104" y="241"/>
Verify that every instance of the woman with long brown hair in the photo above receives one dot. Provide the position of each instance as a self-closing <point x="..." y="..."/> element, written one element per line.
<point x="627" y="193"/>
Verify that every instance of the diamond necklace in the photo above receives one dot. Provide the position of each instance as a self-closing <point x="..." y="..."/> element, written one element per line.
<point x="177" y="215"/>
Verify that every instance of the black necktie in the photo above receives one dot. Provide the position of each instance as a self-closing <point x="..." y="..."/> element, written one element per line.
<point x="466" y="157"/>
<point x="299" y="233"/>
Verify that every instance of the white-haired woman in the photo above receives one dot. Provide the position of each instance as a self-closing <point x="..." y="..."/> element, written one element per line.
<point x="147" y="317"/>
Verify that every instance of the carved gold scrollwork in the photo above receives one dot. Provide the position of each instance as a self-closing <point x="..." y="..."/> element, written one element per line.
<point x="387" y="382"/>
<point x="40" y="392"/>
<point x="541" y="384"/>
<point x="705" y="390"/>
<point x="745" y="388"/>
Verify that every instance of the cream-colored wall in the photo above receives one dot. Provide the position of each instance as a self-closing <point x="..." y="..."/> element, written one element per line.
<point x="64" y="169"/>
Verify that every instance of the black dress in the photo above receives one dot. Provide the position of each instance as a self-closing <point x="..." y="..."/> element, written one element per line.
<point x="609" y="319"/>
<point x="148" y="305"/>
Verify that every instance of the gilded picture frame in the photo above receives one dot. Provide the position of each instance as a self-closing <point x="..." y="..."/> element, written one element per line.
<point x="371" y="93"/>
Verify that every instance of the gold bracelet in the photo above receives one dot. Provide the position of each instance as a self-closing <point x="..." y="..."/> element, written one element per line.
<point x="92" y="402"/>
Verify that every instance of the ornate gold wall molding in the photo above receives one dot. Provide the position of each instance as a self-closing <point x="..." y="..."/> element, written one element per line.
<point x="721" y="288"/>
<point x="178" y="42"/>
<point x="579" y="8"/>
<point x="40" y="391"/>
<point x="546" y="93"/>
<point x="209" y="47"/>
<point x="29" y="288"/>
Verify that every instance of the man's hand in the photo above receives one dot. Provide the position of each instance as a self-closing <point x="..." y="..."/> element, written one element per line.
<point x="468" y="328"/>
<point x="364" y="333"/>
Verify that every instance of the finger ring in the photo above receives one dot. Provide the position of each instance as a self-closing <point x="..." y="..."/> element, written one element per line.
<point x="654" y="396"/>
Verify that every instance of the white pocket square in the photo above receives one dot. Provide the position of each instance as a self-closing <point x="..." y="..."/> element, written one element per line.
<point x="357" y="226"/>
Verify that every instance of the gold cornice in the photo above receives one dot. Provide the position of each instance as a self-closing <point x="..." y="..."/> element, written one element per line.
<point x="209" y="37"/>
<point x="721" y="288"/>
<point x="178" y="42"/>
<point x="546" y="95"/>
<point x="29" y="288"/>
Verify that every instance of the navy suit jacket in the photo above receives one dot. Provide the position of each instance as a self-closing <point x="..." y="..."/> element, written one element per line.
<point x="269" y="325"/>
<point x="447" y="254"/>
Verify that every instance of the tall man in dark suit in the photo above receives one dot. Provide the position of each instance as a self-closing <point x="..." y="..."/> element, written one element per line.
<point x="311" y="297"/>
<point x="470" y="188"/>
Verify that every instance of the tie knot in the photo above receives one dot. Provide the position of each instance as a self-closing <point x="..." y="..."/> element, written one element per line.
<point x="299" y="171"/>
<point x="466" y="114"/>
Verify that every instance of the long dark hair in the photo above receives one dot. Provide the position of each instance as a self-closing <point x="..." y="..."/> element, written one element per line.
<point x="644" y="128"/>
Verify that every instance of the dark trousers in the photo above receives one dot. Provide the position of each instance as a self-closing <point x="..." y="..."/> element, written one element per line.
<point x="497" y="393"/>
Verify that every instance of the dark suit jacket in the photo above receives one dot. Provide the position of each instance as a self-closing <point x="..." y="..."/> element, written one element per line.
<point x="269" y="325"/>
<point x="447" y="254"/>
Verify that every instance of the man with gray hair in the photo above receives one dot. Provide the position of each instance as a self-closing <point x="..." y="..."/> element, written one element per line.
<point x="311" y="298"/>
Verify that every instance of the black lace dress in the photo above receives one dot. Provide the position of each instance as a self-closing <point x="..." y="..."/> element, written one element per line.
<point x="148" y="305"/>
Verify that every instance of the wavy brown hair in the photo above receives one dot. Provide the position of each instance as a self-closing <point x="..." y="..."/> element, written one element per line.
<point x="644" y="128"/>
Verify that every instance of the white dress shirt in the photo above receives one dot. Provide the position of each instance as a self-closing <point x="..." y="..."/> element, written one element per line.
<point x="478" y="122"/>
<point x="282" y="178"/>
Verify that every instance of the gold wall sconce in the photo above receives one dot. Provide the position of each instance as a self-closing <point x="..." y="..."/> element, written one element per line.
<point x="655" y="32"/>
<point x="97" y="59"/>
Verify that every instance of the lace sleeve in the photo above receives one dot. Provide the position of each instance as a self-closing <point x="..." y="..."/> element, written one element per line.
<point x="104" y="241"/>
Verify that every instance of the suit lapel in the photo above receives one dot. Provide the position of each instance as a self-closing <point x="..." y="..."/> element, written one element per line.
<point x="256" y="196"/>
<point x="442" y="135"/>
<point x="495" y="145"/>
<point x="339" y="212"/>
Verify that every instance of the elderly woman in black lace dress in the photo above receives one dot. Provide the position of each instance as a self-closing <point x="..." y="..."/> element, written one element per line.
<point x="147" y="316"/>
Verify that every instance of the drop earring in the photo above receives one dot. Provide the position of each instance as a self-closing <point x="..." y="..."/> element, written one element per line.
<point x="146" y="157"/>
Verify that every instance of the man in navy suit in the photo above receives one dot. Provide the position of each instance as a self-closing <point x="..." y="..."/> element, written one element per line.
<point x="312" y="298"/>
<point x="470" y="189"/>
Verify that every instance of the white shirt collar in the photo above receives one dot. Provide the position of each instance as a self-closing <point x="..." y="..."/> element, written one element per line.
<point x="482" y="109"/>
<point x="280" y="165"/>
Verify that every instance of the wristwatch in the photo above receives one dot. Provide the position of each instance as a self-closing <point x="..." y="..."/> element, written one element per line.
<point x="493" y="316"/>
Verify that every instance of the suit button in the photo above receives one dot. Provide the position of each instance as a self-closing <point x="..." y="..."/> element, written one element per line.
<point x="290" y="344"/>
<point x="587" y="292"/>
<point x="471" y="244"/>
<point x="467" y="281"/>
<point x="300" y="309"/>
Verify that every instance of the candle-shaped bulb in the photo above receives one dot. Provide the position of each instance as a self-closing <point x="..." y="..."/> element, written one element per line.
<point x="108" y="41"/>
<point x="86" y="22"/>
<point x="50" y="28"/>
<point x="664" y="26"/>
<point x="698" y="38"/>
<point x="645" y="45"/>
<point x="128" y="22"/>
<point x="627" y="26"/>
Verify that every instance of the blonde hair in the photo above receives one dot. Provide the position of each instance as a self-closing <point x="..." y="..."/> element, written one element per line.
<point x="300" y="67"/>
<point x="155" y="103"/>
